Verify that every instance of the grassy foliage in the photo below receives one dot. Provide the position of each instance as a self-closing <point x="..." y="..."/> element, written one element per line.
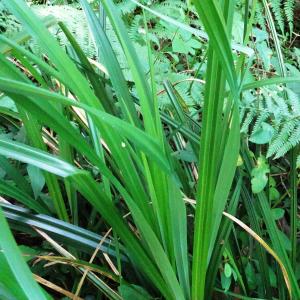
<point x="87" y="149"/>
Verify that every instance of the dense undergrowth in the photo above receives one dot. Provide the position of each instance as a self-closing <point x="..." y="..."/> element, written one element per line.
<point x="149" y="150"/>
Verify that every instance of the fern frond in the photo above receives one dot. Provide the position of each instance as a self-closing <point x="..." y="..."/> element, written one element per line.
<point x="74" y="19"/>
<point x="294" y="101"/>
<point x="261" y="118"/>
<point x="289" y="13"/>
<point x="282" y="105"/>
<point x="282" y="138"/>
<point x="282" y="113"/>
<point x="269" y="102"/>
<point x="243" y="111"/>
<point x="278" y="14"/>
<point x="248" y="120"/>
<point x="127" y="7"/>
<point x="172" y="8"/>
<point x="259" y="16"/>
<point x="283" y="150"/>
<point x="134" y="28"/>
<point x="294" y="139"/>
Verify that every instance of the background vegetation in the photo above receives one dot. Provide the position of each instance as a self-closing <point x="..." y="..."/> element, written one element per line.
<point x="149" y="150"/>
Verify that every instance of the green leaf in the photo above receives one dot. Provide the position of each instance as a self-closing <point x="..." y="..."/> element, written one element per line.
<point x="227" y="270"/>
<point x="273" y="278"/>
<point x="225" y="282"/>
<point x="259" y="175"/>
<point x="274" y="194"/>
<point x="251" y="275"/>
<point x="8" y="103"/>
<point x="285" y="241"/>
<point x="179" y="45"/>
<point x="37" y="180"/>
<point x="263" y="134"/>
<point x="186" y="155"/>
<point x="130" y="292"/>
<point x="277" y="213"/>
<point x="265" y="53"/>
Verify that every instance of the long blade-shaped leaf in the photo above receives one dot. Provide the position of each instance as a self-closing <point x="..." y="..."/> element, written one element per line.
<point x="220" y="132"/>
<point x="15" y="276"/>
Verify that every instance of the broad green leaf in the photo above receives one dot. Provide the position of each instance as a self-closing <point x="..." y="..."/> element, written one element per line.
<point x="285" y="241"/>
<point x="227" y="270"/>
<point x="277" y="213"/>
<point x="179" y="45"/>
<point x="263" y="134"/>
<point x="259" y="175"/>
<point x="186" y="155"/>
<point x="265" y="53"/>
<point x="274" y="194"/>
<point x="225" y="282"/>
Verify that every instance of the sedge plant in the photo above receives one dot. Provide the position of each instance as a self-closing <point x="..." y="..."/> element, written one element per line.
<point x="168" y="229"/>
